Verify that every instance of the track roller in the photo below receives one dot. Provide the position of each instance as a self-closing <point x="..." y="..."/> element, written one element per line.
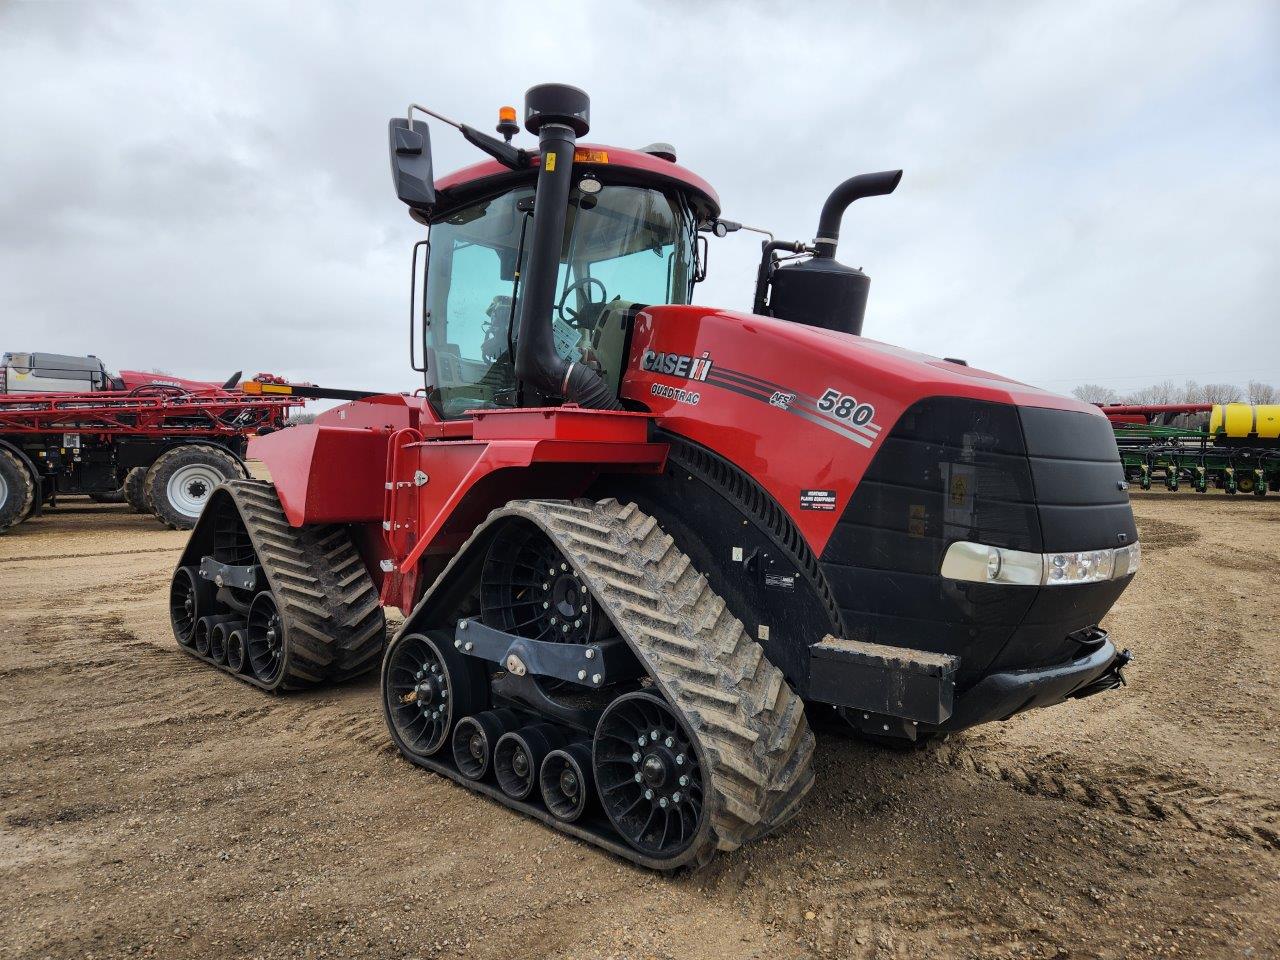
<point x="236" y="658"/>
<point x="190" y="598"/>
<point x="218" y="634"/>
<point x="201" y="636"/>
<point x="518" y="757"/>
<point x="568" y="782"/>
<point x="474" y="739"/>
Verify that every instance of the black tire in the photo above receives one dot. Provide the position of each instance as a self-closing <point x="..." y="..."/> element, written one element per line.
<point x="135" y="490"/>
<point x="17" y="490"/>
<point x="179" y="483"/>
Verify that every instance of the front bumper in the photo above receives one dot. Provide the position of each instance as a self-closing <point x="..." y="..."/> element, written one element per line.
<point x="1001" y="695"/>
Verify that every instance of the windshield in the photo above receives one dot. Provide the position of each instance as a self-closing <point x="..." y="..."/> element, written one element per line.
<point x="624" y="246"/>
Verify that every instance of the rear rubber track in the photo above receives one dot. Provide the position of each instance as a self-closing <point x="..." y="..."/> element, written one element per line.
<point x="334" y="625"/>
<point x="748" y="724"/>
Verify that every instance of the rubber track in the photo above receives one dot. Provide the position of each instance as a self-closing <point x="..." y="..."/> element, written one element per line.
<point x="334" y="625"/>
<point x="749" y="725"/>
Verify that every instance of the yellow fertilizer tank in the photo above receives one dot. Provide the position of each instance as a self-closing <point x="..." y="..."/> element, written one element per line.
<point x="1242" y="420"/>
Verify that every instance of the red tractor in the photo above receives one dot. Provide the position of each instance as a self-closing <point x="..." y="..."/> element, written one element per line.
<point x="639" y="544"/>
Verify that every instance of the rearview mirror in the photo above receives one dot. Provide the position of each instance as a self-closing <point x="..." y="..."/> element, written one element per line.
<point x="411" y="163"/>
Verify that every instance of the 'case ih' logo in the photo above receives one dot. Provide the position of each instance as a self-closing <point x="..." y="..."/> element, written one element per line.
<point x="677" y="364"/>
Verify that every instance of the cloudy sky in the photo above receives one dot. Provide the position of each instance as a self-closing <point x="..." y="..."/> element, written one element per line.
<point x="1092" y="189"/>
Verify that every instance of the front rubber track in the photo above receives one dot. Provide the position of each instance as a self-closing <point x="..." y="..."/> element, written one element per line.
<point x="334" y="627"/>
<point x="749" y="727"/>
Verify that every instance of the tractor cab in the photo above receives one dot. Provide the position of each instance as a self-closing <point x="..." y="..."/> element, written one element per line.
<point x="537" y="262"/>
<point x="626" y="245"/>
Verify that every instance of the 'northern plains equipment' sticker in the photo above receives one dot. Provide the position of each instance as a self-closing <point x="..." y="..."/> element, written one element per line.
<point x="817" y="500"/>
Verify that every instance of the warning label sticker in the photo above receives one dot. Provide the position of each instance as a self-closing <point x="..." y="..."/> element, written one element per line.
<point x="817" y="499"/>
<point x="780" y="581"/>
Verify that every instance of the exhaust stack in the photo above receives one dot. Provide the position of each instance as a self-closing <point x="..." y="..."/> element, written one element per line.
<point x="821" y="291"/>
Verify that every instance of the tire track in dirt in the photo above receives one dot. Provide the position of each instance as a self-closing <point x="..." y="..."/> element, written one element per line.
<point x="1157" y="797"/>
<point x="80" y="556"/>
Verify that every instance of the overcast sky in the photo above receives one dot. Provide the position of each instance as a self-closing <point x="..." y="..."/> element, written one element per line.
<point x="1092" y="189"/>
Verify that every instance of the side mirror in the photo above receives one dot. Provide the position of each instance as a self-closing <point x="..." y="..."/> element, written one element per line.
<point x="411" y="163"/>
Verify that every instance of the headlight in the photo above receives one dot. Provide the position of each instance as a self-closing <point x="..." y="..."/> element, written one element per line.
<point x="978" y="563"/>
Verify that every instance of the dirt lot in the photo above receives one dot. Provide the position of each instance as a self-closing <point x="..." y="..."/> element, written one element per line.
<point x="151" y="806"/>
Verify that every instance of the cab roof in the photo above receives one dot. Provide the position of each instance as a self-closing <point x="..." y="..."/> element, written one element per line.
<point x="634" y="166"/>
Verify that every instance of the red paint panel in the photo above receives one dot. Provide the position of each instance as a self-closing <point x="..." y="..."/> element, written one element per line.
<point x="618" y="157"/>
<point x="326" y="474"/>
<point x="561" y="423"/>
<point x="747" y="387"/>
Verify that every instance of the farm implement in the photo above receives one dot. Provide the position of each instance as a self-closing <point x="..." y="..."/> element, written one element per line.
<point x="167" y="445"/>
<point x="1236" y="449"/>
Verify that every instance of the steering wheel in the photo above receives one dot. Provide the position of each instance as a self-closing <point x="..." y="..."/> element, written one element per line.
<point x="581" y="286"/>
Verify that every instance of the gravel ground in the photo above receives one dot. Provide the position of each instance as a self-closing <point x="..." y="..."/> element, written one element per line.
<point x="150" y="806"/>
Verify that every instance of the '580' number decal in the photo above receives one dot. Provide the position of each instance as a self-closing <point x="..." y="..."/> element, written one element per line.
<point x="845" y="407"/>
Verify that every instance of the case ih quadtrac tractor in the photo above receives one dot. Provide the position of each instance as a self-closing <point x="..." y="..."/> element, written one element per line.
<point x="640" y="544"/>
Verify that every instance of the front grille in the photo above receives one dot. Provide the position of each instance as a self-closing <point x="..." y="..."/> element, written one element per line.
<point x="957" y="469"/>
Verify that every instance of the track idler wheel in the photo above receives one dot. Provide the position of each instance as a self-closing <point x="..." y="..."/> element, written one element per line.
<point x="518" y="756"/>
<point x="190" y="598"/>
<point x="264" y="638"/>
<point x="474" y="739"/>
<point x="568" y="782"/>
<point x="426" y="684"/>
<point x="648" y="774"/>
<point x="236" y="658"/>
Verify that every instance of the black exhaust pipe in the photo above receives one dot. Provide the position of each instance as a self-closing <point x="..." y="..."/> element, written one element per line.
<point x="855" y="188"/>
<point x="557" y="114"/>
<point x="822" y="292"/>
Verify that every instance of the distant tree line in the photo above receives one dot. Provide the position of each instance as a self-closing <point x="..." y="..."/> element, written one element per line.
<point x="301" y="417"/>
<point x="1166" y="391"/>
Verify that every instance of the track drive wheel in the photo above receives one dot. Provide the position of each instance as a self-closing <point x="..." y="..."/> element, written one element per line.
<point x="135" y="490"/>
<point x="426" y="686"/>
<point x="17" y="490"/>
<point x="178" y="484"/>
